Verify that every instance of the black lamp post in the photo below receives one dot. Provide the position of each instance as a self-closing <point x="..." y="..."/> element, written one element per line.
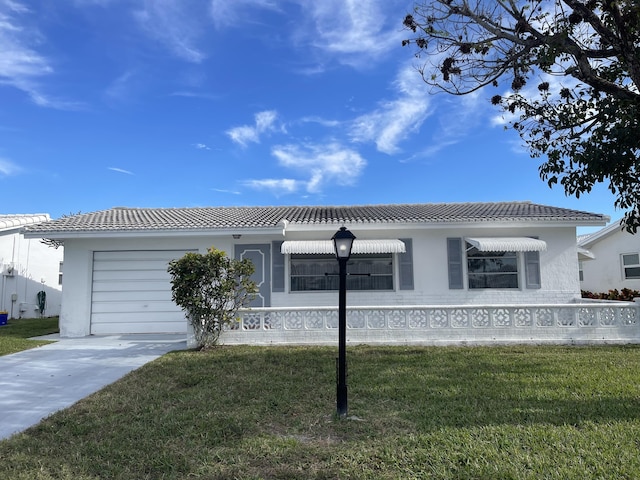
<point x="342" y="242"/>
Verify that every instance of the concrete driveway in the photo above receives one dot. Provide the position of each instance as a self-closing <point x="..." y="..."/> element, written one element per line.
<point x="38" y="382"/>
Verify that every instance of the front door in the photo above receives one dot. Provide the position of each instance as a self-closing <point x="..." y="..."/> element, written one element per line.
<point x="260" y="256"/>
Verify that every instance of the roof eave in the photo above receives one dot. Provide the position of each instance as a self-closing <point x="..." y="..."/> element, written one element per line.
<point x="305" y="227"/>
<point x="602" y="234"/>
<point x="148" y="233"/>
<point x="513" y="223"/>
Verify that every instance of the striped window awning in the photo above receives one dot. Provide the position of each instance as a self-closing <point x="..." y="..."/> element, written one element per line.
<point x="507" y="244"/>
<point x="318" y="247"/>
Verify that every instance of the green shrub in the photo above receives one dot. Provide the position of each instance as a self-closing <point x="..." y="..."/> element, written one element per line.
<point x="211" y="288"/>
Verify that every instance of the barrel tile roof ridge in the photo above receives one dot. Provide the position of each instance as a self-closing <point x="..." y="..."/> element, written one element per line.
<point x="193" y="218"/>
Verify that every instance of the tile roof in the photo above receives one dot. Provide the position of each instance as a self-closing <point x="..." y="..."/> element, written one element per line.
<point x="212" y="218"/>
<point x="591" y="238"/>
<point x="13" y="221"/>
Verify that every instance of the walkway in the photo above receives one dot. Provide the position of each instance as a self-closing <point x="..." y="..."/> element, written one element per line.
<point x="36" y="383"/>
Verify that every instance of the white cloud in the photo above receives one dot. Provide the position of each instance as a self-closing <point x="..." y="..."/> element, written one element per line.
<point x="100" y="3"/>
<point x="244" y="135"/>
<point x="530" y="91"/>
<point x="457" y="116"/>
<point x="394" y="120"/>
<point x="199" y="95"/>
<point x="265" y="122"/>
<point x="358" y="32"/>
<point x="120" y="87"/>
<point x="354" y="32"/>
<point x="320" y="121"/>
<point x="518" y="147"/>
<point x="326" y="163"/>
<point x="14" y="6"/>
<point x="276" y="186"/>
<point x="318" y="165"/>
<point x="8" y="168"/>
<point x="20" y="64"/>
<point x="120" y="170"/>
<point x="175" y="23"/>
<point x="232" y="192"/>
<point x="201" y="146"/>
<point x="230" y="12"/>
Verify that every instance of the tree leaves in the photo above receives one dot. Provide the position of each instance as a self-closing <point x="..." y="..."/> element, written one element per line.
<point x="584" y="114"/>
<point x="211" y="288"/>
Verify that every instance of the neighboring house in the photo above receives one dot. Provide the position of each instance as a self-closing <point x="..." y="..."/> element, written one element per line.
<point x="27" y="267"/>
<point x="609" y="259"/>
<point x="116" y="278"/>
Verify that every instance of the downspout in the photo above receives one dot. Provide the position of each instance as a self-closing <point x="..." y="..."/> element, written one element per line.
<point x="2" y="292"/>
<point x="26" y="272"/>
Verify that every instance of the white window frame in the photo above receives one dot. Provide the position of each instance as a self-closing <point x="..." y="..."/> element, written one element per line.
<point x="624" y="266"/>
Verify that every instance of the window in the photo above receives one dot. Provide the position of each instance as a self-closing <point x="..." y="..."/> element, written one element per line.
<point x="631" y="265"/>
<point x="60" y="274"/>
<point x="492" y="269"/>
<point x="580" y="271"/>
<point x="320" y="272"/>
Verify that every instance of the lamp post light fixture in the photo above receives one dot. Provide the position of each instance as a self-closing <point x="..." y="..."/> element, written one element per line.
<point x="342" y="242"/>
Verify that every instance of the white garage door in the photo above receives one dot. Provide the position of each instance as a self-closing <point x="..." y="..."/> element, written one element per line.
<point x="131" y="293"/>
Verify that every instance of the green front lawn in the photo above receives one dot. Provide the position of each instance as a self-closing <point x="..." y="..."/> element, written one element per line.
<point x="442" y="413"/>
<point x="14" y="337"/>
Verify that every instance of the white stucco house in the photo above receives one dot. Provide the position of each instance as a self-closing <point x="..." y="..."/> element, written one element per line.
<point x="610" y="259"/>
<point x="28" y="267"/>
<point x="429" y="273"/>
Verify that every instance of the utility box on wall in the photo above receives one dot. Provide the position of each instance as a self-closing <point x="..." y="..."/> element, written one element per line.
<point x="27" y="267"/>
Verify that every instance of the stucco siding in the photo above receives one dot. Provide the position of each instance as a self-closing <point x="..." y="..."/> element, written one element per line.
<point x="558" y="264"/>
<point x="36" y="267"/>
<point x="605" y="271"/>
<point x="77" y="298"/>
<point x="558" y="269"/>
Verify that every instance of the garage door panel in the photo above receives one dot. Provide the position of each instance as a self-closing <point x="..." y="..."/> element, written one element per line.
<point x="132" y="265"/>
<point x="135" y="307"/>
<point x="135" y="255"/>
<point x="130" y="286"/>
<point x="145" y="317"/>
<point x="131" y="293"/>
<point x="110" y="326"/>
<point x="114" y="328"/>
<point x="119" y="275"/>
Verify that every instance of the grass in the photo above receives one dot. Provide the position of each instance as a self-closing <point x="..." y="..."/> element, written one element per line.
<point x="14" y="337"/>
<point x="446" y="413"/>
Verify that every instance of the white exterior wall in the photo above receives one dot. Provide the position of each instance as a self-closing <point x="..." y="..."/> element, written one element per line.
<point x="604" y="272"/>
<point x="75" y="317"/>
<point x="558" y="271"/>
<point x="559" y="268"/>
<point x="36" y="268"/>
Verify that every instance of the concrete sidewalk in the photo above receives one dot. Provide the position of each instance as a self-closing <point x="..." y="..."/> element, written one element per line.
<point x="36" y="383"/>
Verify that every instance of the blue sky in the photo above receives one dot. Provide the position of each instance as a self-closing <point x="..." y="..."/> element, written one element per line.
<point x="184" y="103"/>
